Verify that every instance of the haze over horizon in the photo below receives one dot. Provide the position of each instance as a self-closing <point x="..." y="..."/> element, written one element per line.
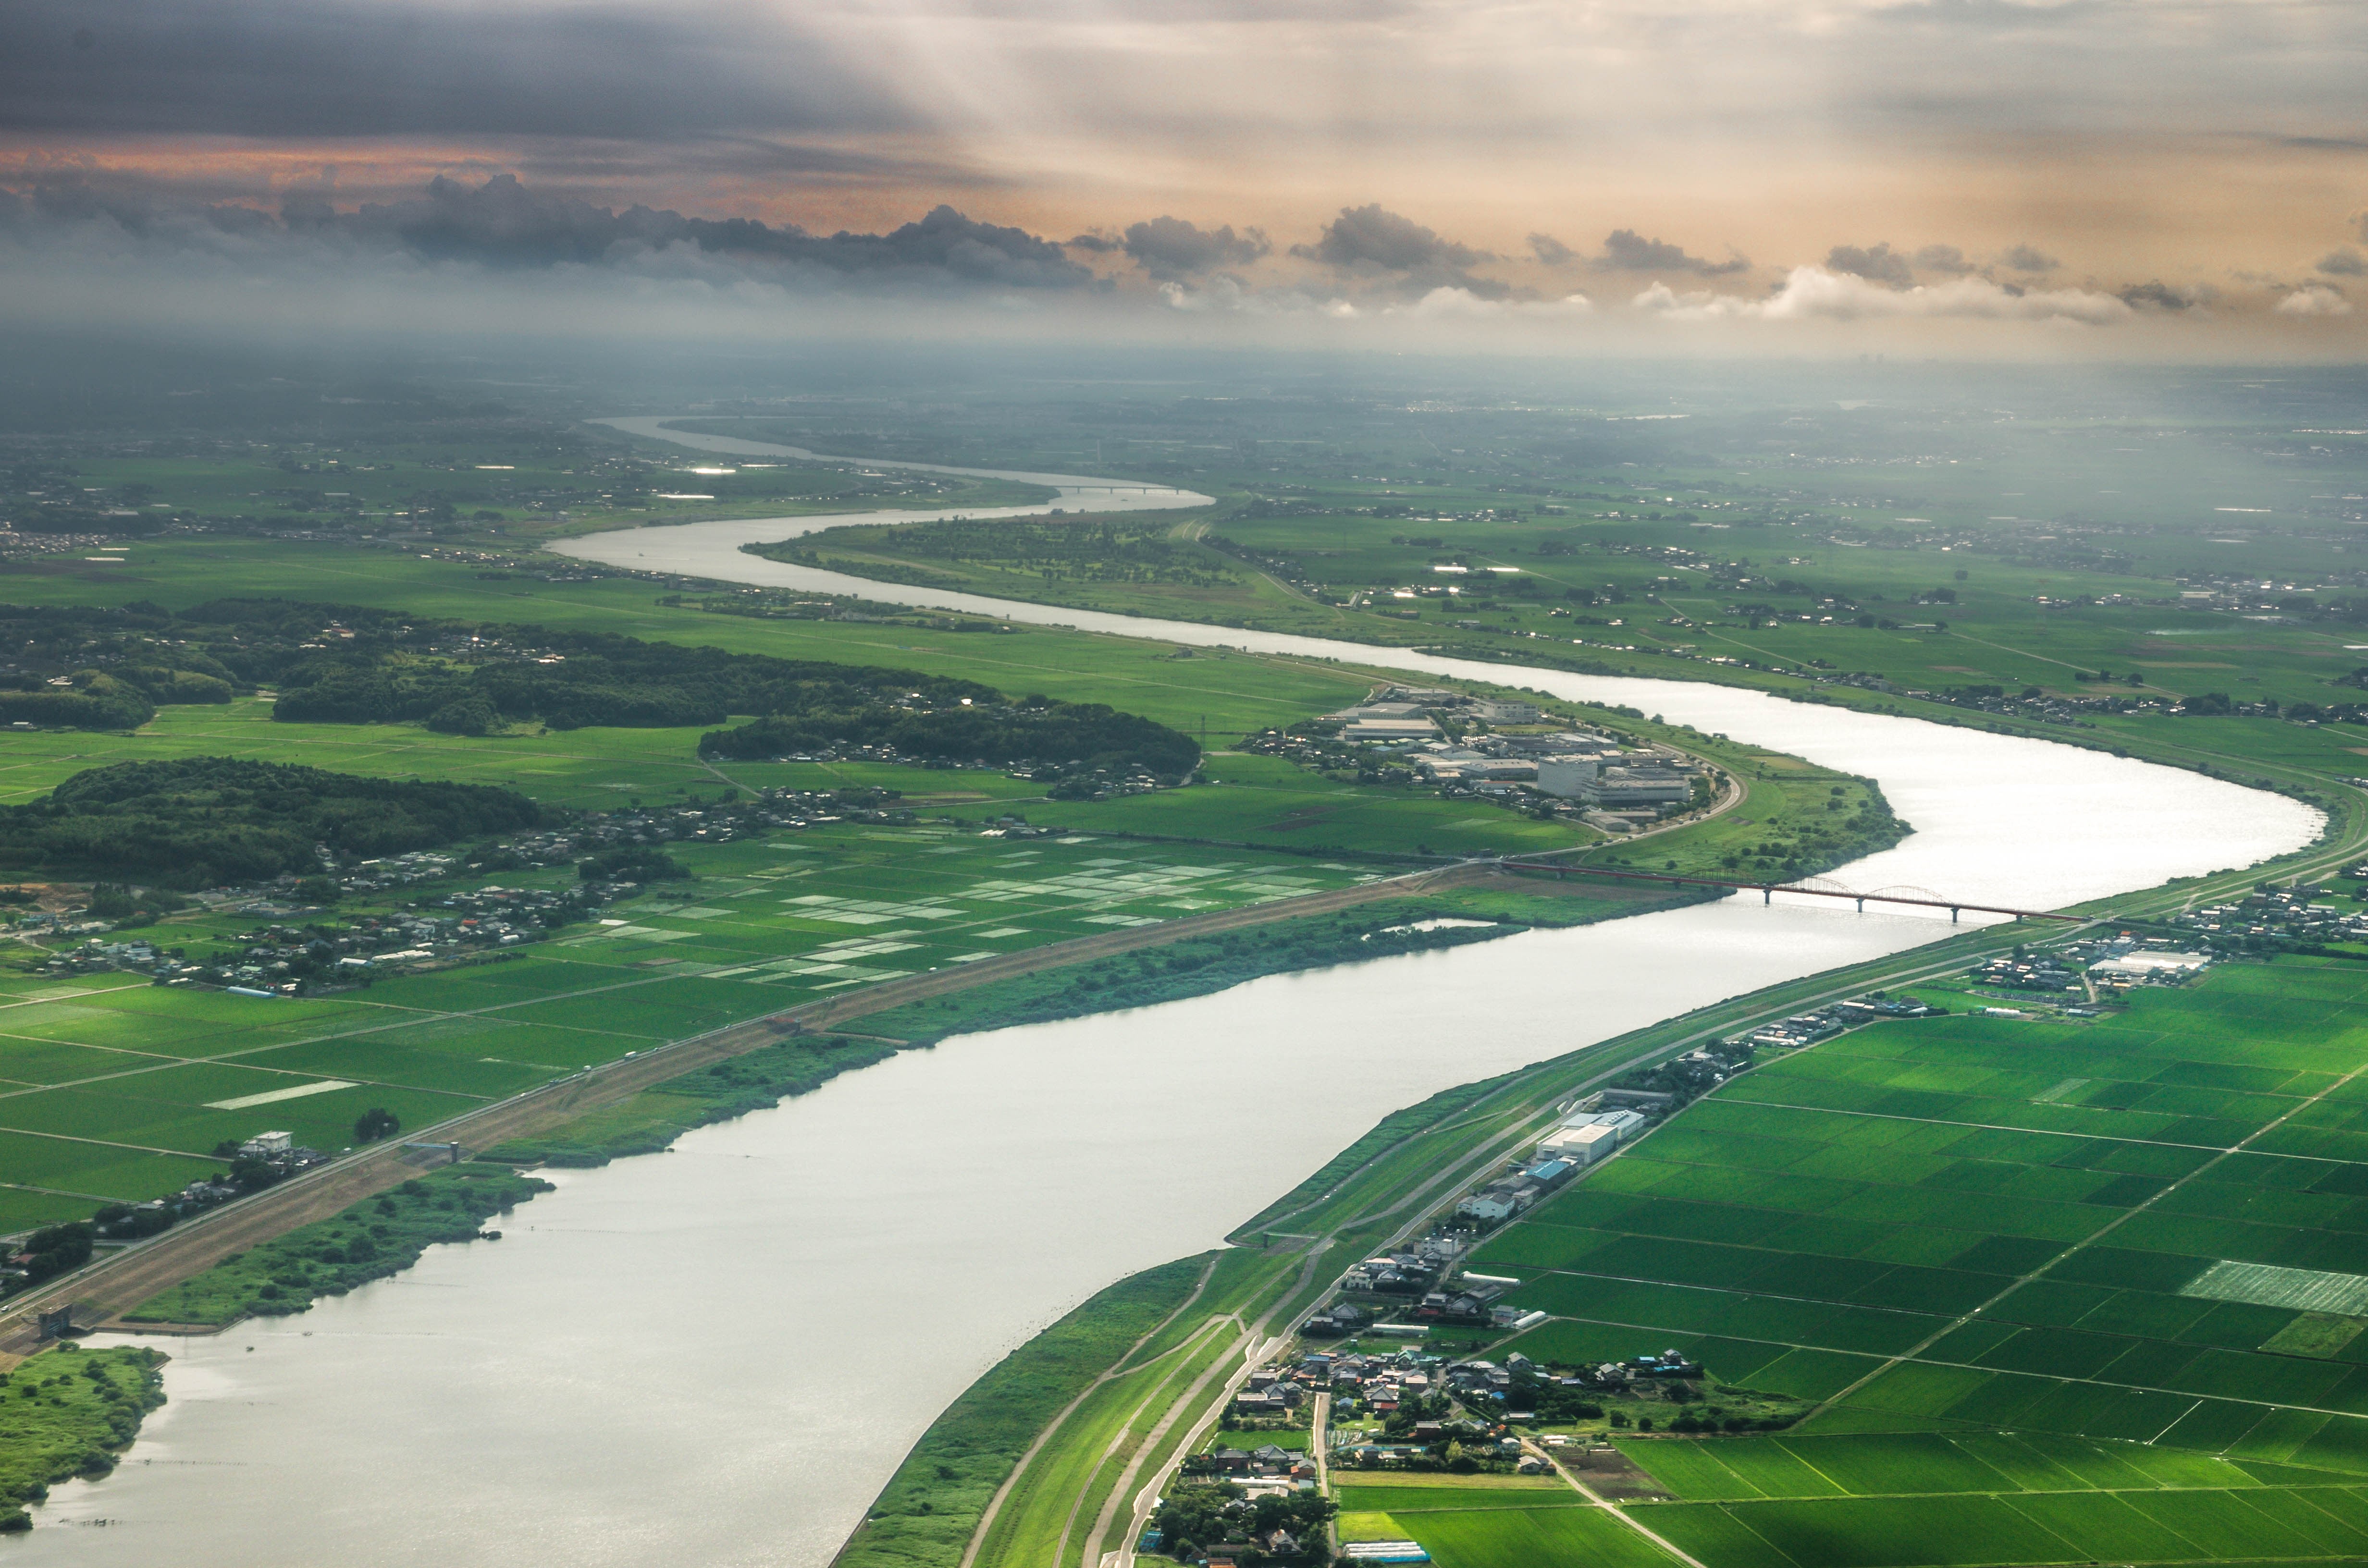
<point x="2104" y="178"/>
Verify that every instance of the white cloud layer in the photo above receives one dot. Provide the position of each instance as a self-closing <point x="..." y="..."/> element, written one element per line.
<point x="1813" y="293"/>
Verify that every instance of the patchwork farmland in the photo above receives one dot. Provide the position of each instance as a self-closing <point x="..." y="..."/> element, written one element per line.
<point x="2062" y="1291"/>
<point x="114" y="1090"/>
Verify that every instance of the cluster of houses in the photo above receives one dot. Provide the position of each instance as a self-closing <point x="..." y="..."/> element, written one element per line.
<point x="262" y="1161"/>
<point x="2039" y="972"/>
<point x="2105" y="967"/>
<point x="1407" y="1272"/>
<point x="1800" y="1029"/>
<point x="1374" y="1385"/>
<point x="395" y="870"/>
<point x="1281" y="1468"/>
<point x="94" y="957"/>
<point x="2275" y="918"/>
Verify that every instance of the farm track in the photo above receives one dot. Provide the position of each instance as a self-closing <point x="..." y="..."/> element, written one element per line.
<point x="104" y="1289"/>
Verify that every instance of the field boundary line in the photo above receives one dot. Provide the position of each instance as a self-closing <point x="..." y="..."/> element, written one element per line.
<point x="2093" y="1239"/>
<point x="1598" y="1500"/>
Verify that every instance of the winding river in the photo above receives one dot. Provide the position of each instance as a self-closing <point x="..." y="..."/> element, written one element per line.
<point x="717" y="1356"/>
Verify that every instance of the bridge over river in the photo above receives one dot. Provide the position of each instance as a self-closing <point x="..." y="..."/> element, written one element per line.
<point x="1815" y="887"/>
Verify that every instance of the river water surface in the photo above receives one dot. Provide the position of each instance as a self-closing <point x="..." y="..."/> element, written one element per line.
<point x="717" y="1356"/>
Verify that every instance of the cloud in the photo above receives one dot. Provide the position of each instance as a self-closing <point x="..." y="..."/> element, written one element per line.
<point x="344" y="68"/>
<point x="1876" y="264"/>
<point x="506" y="225"/>
<point x="2315" y="300"/>
<point x="1550" y="252"/>
<point x="1625" y="250"/>
<point x="1373" y="236"/>
<point x="1463" y="303"/>
<point x="1947" y="260"/>
<point x="2027" y="258"/>
<point x="2156" y="295"/>
<point x="2343" y="262"/>
<point x="1171" y="249"/>
<point x="1372" y="241"/>
<point x="1814" y="293"/>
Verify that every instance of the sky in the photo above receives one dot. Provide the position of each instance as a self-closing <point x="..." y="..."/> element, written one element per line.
<point x="2142" y="179"/>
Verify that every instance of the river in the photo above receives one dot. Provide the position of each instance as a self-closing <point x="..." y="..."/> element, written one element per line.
<point x="719" y="1355"/>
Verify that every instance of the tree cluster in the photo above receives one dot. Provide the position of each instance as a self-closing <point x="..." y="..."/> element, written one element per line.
<point x="1036" y="729"/>
<point x="1195" y="1517"/>
<point x="201" y="821"/>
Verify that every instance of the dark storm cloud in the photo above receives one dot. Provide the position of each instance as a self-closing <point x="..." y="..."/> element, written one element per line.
<point x="1550" y="252"/>
<point x="1876" y="264"/>
<point x="1172" y="250"/>
<point x="383" y="67"/>
<point x="2344" y="262"/>
<point x="1373" y="242"/>
<point x="1625" y="250"/>
<point x="2027" y="258"/>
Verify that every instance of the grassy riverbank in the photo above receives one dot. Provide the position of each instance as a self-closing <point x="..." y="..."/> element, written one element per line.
<point x="369" y="1241"/>
<point x="68" y="1412"/>
<point x="926" y="1515"/>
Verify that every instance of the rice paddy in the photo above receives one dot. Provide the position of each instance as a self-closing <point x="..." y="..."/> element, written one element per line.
<point x="115" y="1090"/>
<point x="2066" y="1293"/>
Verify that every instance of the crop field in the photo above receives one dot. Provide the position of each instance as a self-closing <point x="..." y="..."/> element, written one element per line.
<point x="2070" y="1292"/>
<point x="112" y="1089"/>
<point x="1488" y="1537"/>
<point x="1481" y="1521"/>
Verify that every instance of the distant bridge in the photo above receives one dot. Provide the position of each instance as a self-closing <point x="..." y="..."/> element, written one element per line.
<point x="1816" y="887"/>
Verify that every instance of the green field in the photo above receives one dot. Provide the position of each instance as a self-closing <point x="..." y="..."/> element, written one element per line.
<point x="112" y="1089"/>
<point x="2045" y="1324"/>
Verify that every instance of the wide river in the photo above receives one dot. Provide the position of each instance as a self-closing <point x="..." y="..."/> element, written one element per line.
<point x="717" y="1356"/>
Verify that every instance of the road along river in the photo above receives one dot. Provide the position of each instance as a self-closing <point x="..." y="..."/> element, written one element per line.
<point x="718" y="1356"/>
